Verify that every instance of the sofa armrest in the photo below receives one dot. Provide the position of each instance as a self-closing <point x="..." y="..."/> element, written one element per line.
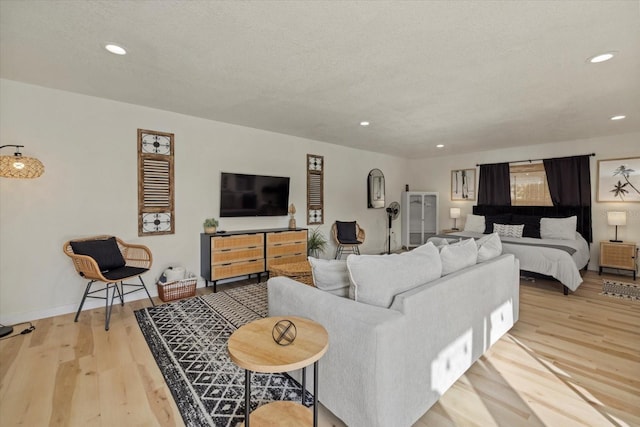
<point x="364" y="341"/>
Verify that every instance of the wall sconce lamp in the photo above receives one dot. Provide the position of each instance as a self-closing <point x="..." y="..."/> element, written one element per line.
<point x="455" y="214"/>
<point x="616" y="218"/>
<point x="19" y="166"/>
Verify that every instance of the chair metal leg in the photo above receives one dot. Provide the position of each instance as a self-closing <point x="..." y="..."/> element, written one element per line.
<point x="84" y="297"/>
<point x="109" y="306"/>
<point x="145" y="289"/>
<point x="120" y="294"/>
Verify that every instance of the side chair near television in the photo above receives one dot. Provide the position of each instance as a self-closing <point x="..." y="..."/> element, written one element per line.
<point x="348" y="236"/>
<point x="109" y="260"/>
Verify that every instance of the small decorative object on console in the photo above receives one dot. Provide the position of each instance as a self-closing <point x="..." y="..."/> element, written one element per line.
<point x="292" y="220"/>
<point x="284" y="332"/>
<point x="210" y="225"/>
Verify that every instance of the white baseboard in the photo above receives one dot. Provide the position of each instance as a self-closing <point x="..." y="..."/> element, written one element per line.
<point x="30" y="316"/>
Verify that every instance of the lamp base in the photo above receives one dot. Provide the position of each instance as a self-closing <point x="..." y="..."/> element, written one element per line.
<point x="455" y="229"/>
<point x="615" y="241"/>
<point x="5" y="330"/>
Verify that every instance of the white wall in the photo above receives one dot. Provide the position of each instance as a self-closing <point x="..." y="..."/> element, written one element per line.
<point x="435" y="175"/>
<point x="88" y="147"/>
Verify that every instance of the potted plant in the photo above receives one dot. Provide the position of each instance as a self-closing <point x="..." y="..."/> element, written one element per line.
<point x="210" y="225"/>
<point x="316" y="243"/>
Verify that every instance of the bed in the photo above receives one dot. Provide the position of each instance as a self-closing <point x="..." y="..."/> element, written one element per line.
<point x="560" y="259"/>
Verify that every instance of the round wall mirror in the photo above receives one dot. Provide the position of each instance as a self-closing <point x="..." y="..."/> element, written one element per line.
<point x="375" y="189"/>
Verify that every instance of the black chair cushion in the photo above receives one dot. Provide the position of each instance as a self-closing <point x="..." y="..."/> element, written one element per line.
<point x="104" y="251"/>
<point x="124" y="272"/>
<point x="531" y="224"/>
<point x="489" y="220"/>
<point x="347" y="232"/>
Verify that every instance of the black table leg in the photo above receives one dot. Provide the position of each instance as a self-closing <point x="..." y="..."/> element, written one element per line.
<point x="315" y="394"/>
<point x="304" y="383"/>
<point x="247" y="396"/>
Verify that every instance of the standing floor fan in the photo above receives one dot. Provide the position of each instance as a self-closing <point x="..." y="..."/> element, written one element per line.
<point x="392" y="212"/>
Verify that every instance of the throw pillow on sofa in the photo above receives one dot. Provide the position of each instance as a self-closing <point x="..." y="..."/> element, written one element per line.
<point x="330" y="275"/>
<point x="489" y="247"/>
<point x="379" y="278"/>
<point x="459" y="255"/>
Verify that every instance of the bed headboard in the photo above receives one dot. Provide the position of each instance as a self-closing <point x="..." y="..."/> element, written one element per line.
<point x="582" y="212"/>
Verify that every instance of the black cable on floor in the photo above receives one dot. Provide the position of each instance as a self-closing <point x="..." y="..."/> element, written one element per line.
<point x="25" y="331"/>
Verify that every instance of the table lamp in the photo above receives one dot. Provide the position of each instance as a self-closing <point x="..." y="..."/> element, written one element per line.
<point x="616" y="218"/>
<point x="455" y="214"/>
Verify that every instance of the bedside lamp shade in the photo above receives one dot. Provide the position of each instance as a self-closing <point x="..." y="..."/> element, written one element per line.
<point x="616" y="218"/>
<point x="454" y="213"/>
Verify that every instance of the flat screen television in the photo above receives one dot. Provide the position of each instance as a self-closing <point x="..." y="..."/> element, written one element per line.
<point x="253" y="195"/>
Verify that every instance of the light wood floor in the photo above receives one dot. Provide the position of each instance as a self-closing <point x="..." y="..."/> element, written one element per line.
<point x="569" y="361"/>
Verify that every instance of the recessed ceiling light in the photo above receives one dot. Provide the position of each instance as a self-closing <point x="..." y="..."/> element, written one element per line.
<point x="364" y="123"/>
<point x="601" y="57"/>
<point x="620" y="117"/>
<point x="439" y="145"/>
<point x="115" y="49"/>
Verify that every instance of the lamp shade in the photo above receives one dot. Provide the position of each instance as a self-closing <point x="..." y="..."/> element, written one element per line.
<point x="19" y="166"/>
<point x="454" y="213"/>
<point x="617" y="218"/>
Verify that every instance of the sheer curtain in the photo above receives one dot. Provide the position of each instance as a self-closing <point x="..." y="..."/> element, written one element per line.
<point x="494" y="187"/>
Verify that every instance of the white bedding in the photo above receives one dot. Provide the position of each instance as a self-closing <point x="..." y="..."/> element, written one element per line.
<point x="548" y="261"/>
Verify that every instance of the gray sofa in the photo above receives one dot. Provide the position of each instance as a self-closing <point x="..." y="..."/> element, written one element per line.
<point x="388" y="366"/>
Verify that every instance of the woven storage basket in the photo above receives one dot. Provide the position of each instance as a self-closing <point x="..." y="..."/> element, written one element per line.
<point x="300" y="271"/>
<point x="179" y="289"/>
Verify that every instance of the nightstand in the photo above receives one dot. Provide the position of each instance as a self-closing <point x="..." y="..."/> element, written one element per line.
<point x="620" y="255"/>
<point x="449" y="230"/>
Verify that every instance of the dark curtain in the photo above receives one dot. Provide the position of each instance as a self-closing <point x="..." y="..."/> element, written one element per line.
<point x="494" y="187"/>
<point x="569" y="180"/>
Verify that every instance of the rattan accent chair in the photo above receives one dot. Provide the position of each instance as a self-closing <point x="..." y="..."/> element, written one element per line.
<point x="348" y="236"/>
<point x="109" y="260"/>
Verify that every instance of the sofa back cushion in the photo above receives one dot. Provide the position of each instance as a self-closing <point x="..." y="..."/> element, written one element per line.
<point x="376" y="279"/>
<point x="489" y="246"/>
<point x="330" y="275"/>
<point x="458" y="255"/>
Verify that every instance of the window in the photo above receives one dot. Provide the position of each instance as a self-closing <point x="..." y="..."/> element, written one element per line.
<point x="529" y="185"/>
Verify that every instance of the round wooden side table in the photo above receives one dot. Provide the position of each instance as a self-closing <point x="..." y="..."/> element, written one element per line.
<point x="252" y="347"/>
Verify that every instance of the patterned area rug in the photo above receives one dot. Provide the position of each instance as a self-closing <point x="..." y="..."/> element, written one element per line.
<point x="621" y="290"/>
<point x="188" y="339"/>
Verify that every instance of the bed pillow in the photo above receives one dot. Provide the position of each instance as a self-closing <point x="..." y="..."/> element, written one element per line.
<point x="105" y="252"/>
<point x="458" y="255"/>
<point x="474" y="223"/>
<point x="531" y="225"/>
<point x="489" y="247"/>
<point x="559" y="228"/>
<point x="509" y="230"/>
<point x="378" y="278"/>
<point x="330" y="275"/>
<point x="495" y="219"/>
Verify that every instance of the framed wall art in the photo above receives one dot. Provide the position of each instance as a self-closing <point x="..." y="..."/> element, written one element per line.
<point x="619" y="180"/>
<point x="463" y="184"/>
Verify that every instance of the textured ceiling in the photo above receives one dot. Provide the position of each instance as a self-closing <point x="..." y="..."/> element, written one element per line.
<point x="473" y="75"/>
